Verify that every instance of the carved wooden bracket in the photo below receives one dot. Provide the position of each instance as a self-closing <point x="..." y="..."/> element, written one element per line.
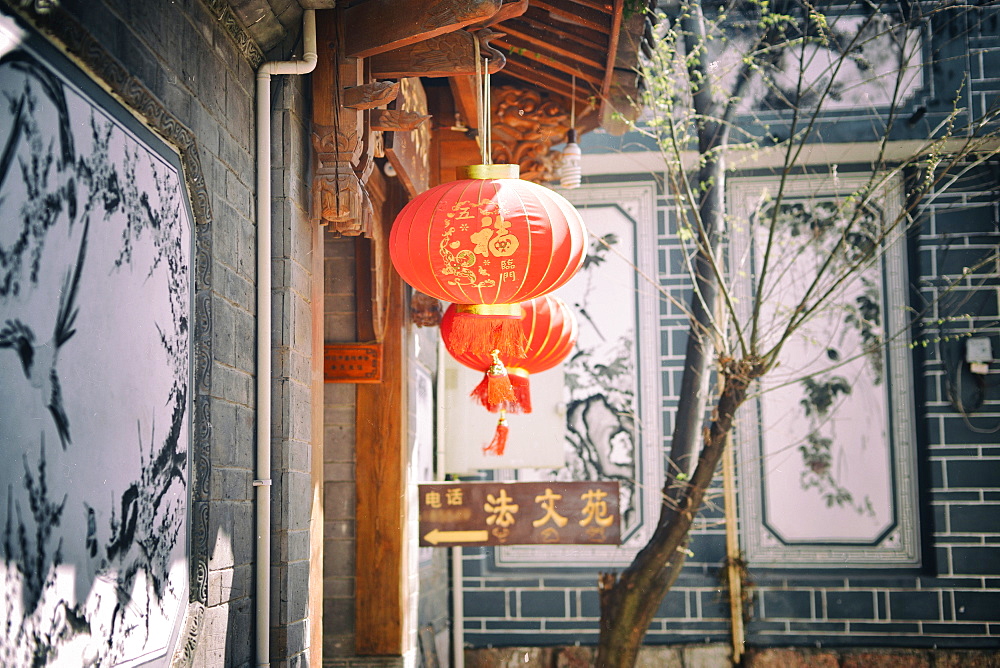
<point x="449" y="55"/>
<point x="395" y="120"/>
<point x="370" y="95"/>
<point x="342" y="202"/>
<point x="342" y="137"/>
<point x="525" y="126"/>
<point x="339" y="196"/>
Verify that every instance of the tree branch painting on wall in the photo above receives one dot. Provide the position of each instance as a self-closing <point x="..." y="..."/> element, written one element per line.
<point x="601" y="437"/>
<point x="600" y="384"/>
<point x="95" y="257"/>
<point x="840" y="357"/>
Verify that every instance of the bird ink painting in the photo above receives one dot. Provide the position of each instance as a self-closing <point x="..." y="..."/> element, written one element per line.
<point x="95" y="419"/>
<point x="39" y="359"/>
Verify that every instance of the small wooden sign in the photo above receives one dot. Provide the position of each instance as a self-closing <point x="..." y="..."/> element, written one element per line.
<point x="519" y="513"/>
<point x="352" y="362"/>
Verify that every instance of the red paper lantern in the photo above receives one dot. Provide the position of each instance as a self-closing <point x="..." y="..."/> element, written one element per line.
<point x="486" y="243"/>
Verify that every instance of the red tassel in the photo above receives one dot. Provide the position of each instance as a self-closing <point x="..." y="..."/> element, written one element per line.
<point x="517" y="401"/>
<point x="481" y="334"/>
<point x="499" y="442"/>
<point x="482" y="394"/>
<point x="522" y="392"/>
<point x="494" y="392"/>
<point x="499" y="389"/>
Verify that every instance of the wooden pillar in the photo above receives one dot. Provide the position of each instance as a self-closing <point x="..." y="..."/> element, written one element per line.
<point x="380" y="456"/>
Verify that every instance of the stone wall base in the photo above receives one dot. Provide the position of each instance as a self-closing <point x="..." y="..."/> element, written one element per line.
<point x="719" y="656"/>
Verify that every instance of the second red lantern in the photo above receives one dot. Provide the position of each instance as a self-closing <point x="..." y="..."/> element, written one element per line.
<point x="550" y="329"/>
<point x="486" y="243"/>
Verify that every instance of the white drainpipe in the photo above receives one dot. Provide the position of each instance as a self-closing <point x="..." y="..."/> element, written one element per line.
<point x="263" y="480"/>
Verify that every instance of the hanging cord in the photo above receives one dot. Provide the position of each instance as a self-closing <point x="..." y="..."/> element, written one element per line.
<point x="483" y="105"/>
<point x="479" y="101"/>
<point x="337" y="108"/>
<point x="572" y="107"/>
<point x="487" y="112"/>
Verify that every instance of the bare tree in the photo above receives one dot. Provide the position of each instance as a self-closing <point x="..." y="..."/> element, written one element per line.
<point x="730" y="80"/>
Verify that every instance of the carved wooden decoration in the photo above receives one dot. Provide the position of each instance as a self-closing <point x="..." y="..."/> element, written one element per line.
<point x="342" y="139"/>
<point x="369" y="96"/>
<point x="339" y="196"/>
<point x="409" y="152"/>
<point x="377" y="26"/>
<point x="449" y="55"/>
<point x="395" y="120"/>
<point x="425" y="311"/>
<point x="525" y="126"/>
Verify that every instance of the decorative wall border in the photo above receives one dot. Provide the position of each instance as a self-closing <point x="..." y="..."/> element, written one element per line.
<point x="241" y="38"/>
<point x="63" y="29"/>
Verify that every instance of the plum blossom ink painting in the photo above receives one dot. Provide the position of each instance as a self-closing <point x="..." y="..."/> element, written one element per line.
<point x="95" y="300"/>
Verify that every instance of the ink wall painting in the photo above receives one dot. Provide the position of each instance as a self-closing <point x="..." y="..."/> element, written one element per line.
<point x="95" y="303"/>
<point x="827" y="444"/>
<point x="611" y="425"/>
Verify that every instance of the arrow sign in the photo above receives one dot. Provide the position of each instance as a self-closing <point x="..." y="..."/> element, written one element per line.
<point x="437" y="536"/>
<point x="577" y="512"/>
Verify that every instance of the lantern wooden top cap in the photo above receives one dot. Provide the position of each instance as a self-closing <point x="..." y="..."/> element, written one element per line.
<point x="488" y="172"/>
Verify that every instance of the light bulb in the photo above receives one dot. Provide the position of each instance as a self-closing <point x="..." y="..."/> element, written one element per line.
<point x="570" y="172"/>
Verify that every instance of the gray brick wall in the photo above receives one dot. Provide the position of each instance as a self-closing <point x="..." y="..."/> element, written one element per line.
<point x="339" y="404"/>
<point x="291" y="435"/>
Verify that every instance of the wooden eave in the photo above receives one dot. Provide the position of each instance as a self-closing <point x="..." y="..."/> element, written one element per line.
<point x="555" y="41"/>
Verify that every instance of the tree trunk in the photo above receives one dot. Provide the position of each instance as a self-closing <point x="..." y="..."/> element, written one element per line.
<point x="629" y="602"/>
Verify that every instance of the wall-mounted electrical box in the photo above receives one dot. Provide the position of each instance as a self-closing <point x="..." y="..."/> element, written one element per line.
<point x="978" y="354"/>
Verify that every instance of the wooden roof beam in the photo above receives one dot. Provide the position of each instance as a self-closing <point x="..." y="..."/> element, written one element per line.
<point x="541" y="22"/>
<point x="376" y="26"/>
<point x="547" y="81"/>
<point x="597" y="5"/>
<point x="613" y="36"/>
<point x="582" y="56"/>
<point x="463" y="91"/>
<point x="577" y="14"/>
<point x="580" y="73"/>
<point x="453" y="54"/>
